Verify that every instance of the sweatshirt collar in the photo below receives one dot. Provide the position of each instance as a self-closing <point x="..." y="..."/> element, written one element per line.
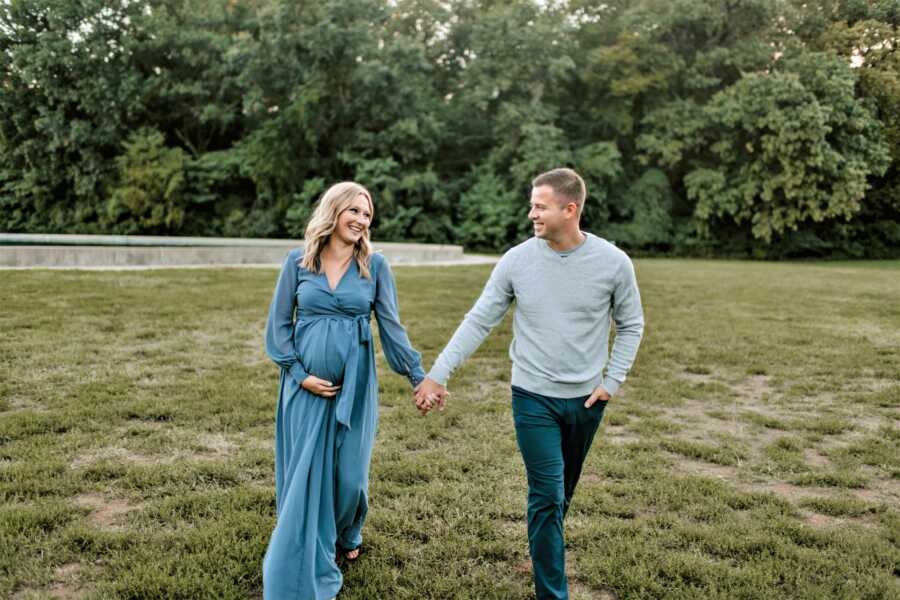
<point x="568" y="253"/>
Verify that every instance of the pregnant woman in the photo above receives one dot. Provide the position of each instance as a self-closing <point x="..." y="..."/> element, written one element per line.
<point x="327" y="401"/>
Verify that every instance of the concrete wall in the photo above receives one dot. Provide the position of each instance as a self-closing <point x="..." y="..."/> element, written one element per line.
<point x="25" y="250"/>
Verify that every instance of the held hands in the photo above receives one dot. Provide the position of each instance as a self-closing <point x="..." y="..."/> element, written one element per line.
<point x="429" y="393"/>
<point x="320" y="387"/>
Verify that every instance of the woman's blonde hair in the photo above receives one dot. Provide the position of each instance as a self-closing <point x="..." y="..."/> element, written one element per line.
<point x="334" y="201"/>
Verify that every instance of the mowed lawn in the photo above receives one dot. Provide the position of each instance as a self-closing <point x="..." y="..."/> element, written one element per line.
<point x="753" y="452"/>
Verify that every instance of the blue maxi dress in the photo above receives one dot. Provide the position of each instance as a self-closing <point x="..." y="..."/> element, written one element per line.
<point x="323" y="446"/>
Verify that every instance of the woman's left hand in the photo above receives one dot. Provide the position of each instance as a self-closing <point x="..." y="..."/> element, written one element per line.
<point x="320" y="387"/>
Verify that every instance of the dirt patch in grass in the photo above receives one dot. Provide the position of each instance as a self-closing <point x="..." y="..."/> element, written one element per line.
<point x="754" y="388"/>
<point x="16" y="403"/>
<point x="106" y="512"/>
<point x="814" y="459"/>
<point x="697" y="425"/>
<point x="880" y="490"/>
<point x="217" y="447"/>
<point x="870" y="424"/>
<point x="795" y="493"/>
<point x="620" y="440"/>
<point x="111" y="453"/>
<point x="204" y="447"/>
<point x="876" y="335"/>
<point x="787" y="491"/>
<point x="66" y="571"/>
<point x="121" y="455"/>
<point x="748" y="390"/>
<point x="873" y="384"/>
<point x="514" y="528"/>
<point x="616" y="434"/>
<point x="580" y="591"/>
<point x="57" y="591"/>
<point x="823" y="521"/>
<point x="700" y="378"/>
<point x="613" y="430"/>
<point x="523" y="567"/>
<point x="704" y="469"/>
<point x="820" y="521"/>
<point x="64" y="587"/>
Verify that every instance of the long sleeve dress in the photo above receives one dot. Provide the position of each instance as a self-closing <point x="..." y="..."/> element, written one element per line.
<point x="323" y="446"/>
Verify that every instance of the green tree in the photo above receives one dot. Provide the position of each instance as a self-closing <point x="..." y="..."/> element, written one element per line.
<point x="723" y="126"/>
<point x="150" y="196"/>
<point x="866" y="35"/>
<point x="791" y="146"/>
<point x="67" y="101"/>
<point x="646" y="70"/>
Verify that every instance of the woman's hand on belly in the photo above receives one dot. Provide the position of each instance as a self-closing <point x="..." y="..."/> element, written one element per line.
<point x="320" y="387"/>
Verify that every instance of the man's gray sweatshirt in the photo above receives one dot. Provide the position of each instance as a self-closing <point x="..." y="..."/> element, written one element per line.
<point x="564" y="305"/>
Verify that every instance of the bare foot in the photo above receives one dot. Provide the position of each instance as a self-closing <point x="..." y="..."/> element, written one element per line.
<point x="352" y="554"/>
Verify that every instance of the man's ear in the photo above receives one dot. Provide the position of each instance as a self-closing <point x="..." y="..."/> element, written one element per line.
<point x="571" y="209"/>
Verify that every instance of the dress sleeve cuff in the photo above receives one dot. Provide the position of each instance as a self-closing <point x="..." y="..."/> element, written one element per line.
<point x="416" y="376"/>
<point x="298" y="373"/>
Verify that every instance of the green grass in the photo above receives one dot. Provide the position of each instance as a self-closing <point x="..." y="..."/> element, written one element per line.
<point x="841" y="506"/>
<point x="752" y="454"/>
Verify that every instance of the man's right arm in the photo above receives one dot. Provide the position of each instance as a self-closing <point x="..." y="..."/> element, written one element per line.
<point x="486" y="314"/>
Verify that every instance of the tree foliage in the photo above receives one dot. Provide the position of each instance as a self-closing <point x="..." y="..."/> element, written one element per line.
<point x="747" y="127"/>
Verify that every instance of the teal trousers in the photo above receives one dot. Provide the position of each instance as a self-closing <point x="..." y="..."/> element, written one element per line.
<point x="554" y="436"/>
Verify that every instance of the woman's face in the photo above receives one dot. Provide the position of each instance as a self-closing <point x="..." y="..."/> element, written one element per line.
<point x="353" y="222"/>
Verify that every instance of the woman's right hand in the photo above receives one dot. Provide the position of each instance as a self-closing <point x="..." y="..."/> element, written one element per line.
<point x="320" y="387"/>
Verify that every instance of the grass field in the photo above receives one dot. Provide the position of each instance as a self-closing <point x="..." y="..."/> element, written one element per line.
<point x="753" y="453"/>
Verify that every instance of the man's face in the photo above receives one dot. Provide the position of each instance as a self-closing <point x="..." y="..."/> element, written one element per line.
<point x="547" y="213"/>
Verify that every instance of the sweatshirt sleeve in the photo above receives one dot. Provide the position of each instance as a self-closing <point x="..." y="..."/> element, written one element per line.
<point x="486" y="314"/>
<point x="629" y="318"/>
<point x="279" y="336"/>
<point x="398" y="350"/>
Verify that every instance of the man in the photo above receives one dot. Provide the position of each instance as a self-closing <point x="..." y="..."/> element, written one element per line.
<point x="566" y="284"/>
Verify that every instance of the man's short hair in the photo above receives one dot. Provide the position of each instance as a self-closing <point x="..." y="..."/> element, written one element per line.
<point x="567" y="186"/>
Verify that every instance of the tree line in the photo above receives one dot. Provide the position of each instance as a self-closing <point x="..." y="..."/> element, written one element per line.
<point x="763" y="128"/>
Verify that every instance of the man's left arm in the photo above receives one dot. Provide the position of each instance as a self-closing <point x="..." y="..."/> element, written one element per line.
<point x="629" y="318"/>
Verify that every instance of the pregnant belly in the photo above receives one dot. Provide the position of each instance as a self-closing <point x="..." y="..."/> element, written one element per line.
<point x="323" y="347"/>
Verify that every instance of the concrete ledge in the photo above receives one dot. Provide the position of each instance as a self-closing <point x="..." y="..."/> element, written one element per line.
<point x="86" y="251"/>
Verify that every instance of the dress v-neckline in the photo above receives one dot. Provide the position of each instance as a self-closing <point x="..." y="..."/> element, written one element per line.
<point x="340" y="279"/>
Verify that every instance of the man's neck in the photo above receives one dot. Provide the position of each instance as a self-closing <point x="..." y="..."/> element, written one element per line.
<point x="566" y="242"/>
